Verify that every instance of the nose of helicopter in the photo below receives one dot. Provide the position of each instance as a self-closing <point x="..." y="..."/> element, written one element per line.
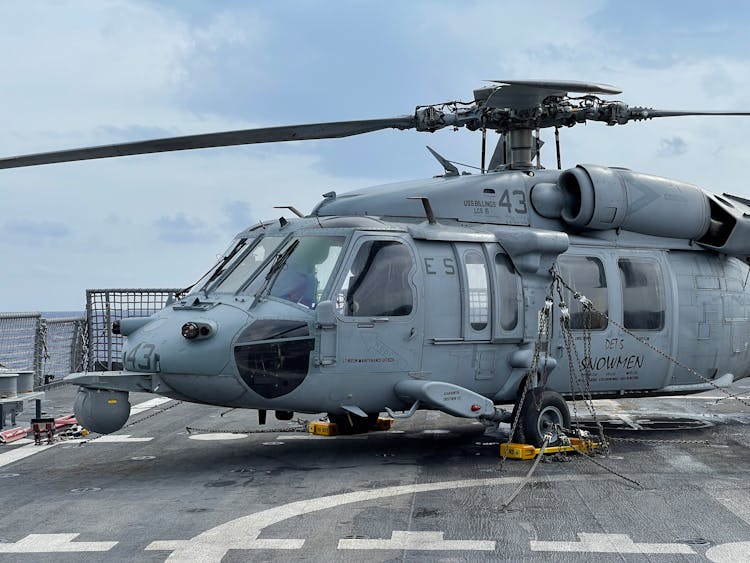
<point x="266" y="350"/>
<point x="186" y="340"/>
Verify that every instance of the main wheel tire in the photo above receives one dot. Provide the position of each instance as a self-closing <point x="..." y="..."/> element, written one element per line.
<point x="348" y="423"/>
<point x="541" y="412"/>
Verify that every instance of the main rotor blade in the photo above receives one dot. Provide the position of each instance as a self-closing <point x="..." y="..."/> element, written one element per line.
<point x="648" y="113"/>
<point x="565" y="85"/>
<point x="304" y="132"/>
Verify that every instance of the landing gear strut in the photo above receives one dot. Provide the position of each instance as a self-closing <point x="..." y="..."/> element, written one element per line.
<point x="543" y="411"/>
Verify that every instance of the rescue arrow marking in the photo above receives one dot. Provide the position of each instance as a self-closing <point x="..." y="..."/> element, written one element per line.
<point x="609" y="543"/>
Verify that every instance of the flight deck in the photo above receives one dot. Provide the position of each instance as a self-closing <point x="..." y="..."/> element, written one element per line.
<point x="185" y="482"/>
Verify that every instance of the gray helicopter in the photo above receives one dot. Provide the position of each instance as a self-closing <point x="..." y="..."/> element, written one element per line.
<point x="518" y="286"/>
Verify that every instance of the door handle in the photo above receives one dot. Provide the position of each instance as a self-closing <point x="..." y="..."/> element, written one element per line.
<point x="380" y="319"/>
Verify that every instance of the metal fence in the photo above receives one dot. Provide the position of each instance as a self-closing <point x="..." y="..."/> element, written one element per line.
<point x="103" y="307"/>
<point x="54" y="347"/>
<point x="64" y="347"/>
<point x="21" y="345"/>
<point x="51" y="348"/>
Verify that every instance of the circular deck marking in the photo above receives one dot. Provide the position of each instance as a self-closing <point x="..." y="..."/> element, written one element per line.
<point x="244" y="532"/>
<point x="217" y="436"/>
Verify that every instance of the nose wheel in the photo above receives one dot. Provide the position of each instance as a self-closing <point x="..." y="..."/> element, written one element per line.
<point x="542" y="412"/>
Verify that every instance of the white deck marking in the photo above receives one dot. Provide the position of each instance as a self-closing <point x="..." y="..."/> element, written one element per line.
<point x="150" y="404"/>
<point x="16" y="454"/>
<point x="733" y="496"/>
<point x="736" y="552"/>
<point x="243" y="532"/>
<point x="608" y="404"/>
<point x="54" y="543"/>
<point x="685" y="462"/>
<point x="736" y="499"/>
<point x="204" y="554"/>
<point x="217" y="436"/>
<point x="722" y="397"/>
<point x="316" y="437"/>
<point x="118" y="439"/>
<point x="418" y="541"/>
<point x="609" y="543"/>
<point x="629" y="421"/>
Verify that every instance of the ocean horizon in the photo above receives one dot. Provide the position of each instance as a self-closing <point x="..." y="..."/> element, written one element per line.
<point x="62" y="314"/>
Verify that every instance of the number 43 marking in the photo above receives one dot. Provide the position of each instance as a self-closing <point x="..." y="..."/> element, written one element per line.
<point x="142" y="357"/>
<point x="514" y="201"/>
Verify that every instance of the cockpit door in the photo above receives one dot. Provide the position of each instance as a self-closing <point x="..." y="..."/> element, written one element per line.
<point x="377" y="308"/>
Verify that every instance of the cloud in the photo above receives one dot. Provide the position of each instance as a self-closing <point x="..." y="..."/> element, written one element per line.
<point x="672" y="147"/>
<point x="181" y="229"/>
<point x="98" y="73"/>
<point x="238" y="215"/>
<point x="24" y="230"/>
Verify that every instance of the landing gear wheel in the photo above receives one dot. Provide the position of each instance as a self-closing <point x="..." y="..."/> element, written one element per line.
<point x="348" y="423"/>
<point x="542" y="412"/>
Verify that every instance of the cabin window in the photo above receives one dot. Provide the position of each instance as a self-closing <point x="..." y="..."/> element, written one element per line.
<point x="247" y="266"/>
<point x="377" y="284"/>
<point x="642" y="294"/>
<point x="507" y="292"/>
<point x="585" y="275"/>
<point x="478" y="282"/>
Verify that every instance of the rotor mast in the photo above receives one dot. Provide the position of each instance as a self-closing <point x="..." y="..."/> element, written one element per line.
<point x="523" y="148"/>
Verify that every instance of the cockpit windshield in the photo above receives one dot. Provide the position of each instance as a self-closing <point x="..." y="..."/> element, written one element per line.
<point x="224" y="264"/>
<point x="306" y="270"/>
<point x="243" y="266"/>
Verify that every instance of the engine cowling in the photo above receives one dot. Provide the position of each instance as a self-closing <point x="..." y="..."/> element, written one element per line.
<point x="591" y="197"/>
<point x="100" y="410"/>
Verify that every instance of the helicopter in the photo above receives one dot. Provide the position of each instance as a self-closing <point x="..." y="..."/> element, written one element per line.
<point x="464" y="293"/>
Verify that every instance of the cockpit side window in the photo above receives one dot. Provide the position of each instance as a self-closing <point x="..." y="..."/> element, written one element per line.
<point x="378" y="281"/>
<point x="244" y="268"/>
<point x="303" y="276"/>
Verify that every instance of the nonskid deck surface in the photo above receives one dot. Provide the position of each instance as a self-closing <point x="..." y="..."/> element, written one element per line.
<point x="432" y="488"/>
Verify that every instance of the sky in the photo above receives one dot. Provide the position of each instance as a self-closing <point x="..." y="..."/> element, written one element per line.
<point x="80" y="73"/>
